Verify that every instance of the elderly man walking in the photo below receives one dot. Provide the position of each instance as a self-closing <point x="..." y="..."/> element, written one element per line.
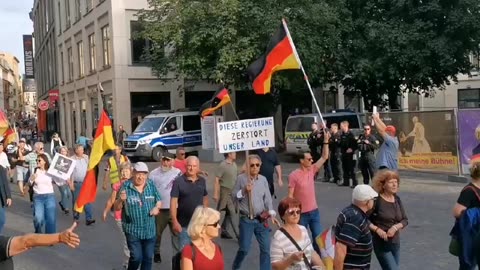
<point x="189" y="191"/>
<point x="140" y="202"/>
<point x="78" y="176"/>
<point x="252" y="193"/>
<point x="163" y="177"/>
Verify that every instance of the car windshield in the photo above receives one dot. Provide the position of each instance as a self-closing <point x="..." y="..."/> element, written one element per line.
<point x="151" y="124"/>
<point x="300" y="124"/>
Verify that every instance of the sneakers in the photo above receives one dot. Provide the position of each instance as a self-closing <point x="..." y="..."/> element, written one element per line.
<point x="157" y="258"/>
<point x="90" y="222"/>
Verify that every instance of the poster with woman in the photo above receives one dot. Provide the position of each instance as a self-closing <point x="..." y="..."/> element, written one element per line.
<point x="469" y="135"/>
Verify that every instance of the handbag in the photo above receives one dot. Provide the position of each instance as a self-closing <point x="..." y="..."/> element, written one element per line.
<point x="305" y="259"/>
<point x="454" y="247"/>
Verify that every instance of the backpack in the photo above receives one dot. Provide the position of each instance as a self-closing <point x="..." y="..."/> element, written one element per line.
<point x="177" y="258"/>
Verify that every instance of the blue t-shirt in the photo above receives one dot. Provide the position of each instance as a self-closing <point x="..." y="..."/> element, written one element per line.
<point x="388" y="153"/>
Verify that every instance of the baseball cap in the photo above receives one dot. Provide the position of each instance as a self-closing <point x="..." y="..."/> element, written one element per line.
<point x="23" y="140"/>
<point x="168" y="155"/>
<point x="363" y="193"/>
<point x="391" y="129"/>
<point x="140" y="167"/>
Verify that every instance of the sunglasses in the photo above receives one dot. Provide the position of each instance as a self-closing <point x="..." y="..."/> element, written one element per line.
<point x="254" y="165"/>
<point x="214" y="224"/>
<point x="366" y="129"/>
<point x="292" y="212"/>
<point x="38" y="160"/>
<point x="181" y="154"/>
<point x="166" y="159"/>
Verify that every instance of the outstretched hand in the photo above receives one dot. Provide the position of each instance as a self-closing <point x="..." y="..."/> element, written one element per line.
<point x="69" y="238"/>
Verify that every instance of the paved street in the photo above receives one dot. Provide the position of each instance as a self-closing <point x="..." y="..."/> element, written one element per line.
<point x="428" y="203"/>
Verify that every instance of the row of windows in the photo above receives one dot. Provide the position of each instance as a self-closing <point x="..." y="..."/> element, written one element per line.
<point x="87" y="7"/>
<point x="92" y="56"/>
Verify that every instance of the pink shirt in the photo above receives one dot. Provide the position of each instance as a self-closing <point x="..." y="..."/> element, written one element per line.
<point x="181" y="165"/>
<point x="118" y="214"/>
<point x="302" y="182"/>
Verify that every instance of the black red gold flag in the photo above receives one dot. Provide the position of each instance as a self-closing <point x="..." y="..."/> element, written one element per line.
<point x="219" y="99"/>
<point x="280" y="55"/>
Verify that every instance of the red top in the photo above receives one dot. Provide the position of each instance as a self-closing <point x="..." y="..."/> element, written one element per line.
<point x="180" y="164"/>
<point x="201" y="262"/>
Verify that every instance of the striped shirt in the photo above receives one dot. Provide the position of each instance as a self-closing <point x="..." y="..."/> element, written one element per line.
<point x="352" y="230"/>
<point x="281" y="247"/>
<point x="136" y="218"/>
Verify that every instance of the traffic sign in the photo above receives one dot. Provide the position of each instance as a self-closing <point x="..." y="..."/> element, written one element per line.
<point x="43" y="105"/>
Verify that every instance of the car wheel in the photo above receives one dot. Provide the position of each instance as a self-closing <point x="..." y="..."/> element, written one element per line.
<point x="157" y="153"/>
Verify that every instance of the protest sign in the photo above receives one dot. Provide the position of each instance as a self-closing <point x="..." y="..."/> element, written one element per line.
<point x="243" y="135"/>
<point x="61" y="167"/>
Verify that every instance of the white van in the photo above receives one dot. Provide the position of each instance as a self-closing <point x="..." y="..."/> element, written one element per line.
<point x="298" y="128"/>
<point x="164" y="131"/>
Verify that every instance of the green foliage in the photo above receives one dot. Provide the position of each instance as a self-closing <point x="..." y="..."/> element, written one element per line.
<point x="373" y="47"/>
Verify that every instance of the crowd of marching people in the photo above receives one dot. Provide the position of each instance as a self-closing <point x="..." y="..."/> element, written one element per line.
<point x="144" y="202"/>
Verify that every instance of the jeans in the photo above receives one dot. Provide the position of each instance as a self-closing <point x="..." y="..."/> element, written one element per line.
<point x="311" y="220"/>
<point x="367" y="166"/>
<point x="141" y="252"/>
<point x="247" y="229"/>
<point x="387" y="253"/>
<point x="88" y="206"/>
<point x="44" y="213"/>
<point x="2" y="218"/>
<point x="66" y="201"/>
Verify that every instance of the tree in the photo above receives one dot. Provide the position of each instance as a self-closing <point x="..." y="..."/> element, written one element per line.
<point x="390" y="46"/>
<point x="216" y="40"/>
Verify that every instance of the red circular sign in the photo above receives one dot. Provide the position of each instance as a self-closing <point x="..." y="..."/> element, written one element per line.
<point x="43" y="105"/>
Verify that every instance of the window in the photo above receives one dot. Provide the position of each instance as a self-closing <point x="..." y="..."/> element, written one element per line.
<point x="91" y="52"/>
<point x="62" y="67"/>
<point x="475" y="59"/>
<point x="106" y="45"/>
<point x="59" y="18"/>
<point x="81" y="60"/>
<point x="299" y="124"/>
<point x="140" y="46"/>
<point x="67" y="13"/>
<point x="191" y="122"/>
<point x="88" y="5"/>
<point x="171" y="125"/>
<point x="468" y="98"/>
<point x="78" y="11"/>
<point x="70" y="64"/>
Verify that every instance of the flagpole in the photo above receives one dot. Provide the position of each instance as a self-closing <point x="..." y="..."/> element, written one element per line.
<point x="284" y="22"/>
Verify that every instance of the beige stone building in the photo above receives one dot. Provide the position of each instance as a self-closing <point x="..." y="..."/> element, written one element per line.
<point x="12" y="94"/>
<point x="96" y="50"/>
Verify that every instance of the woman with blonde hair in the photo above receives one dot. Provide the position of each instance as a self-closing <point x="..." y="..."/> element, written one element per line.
<point x="387" y="219"/>
<point x="203" y="253"/>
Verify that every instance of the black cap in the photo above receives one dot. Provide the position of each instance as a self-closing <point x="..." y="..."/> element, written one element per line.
<point x="168" y="155"/>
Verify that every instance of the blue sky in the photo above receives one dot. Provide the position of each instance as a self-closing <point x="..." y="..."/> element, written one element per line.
<point x="14" y="22"/>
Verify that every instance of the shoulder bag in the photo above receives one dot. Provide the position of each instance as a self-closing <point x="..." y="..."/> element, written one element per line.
<point x="305" y="260"/>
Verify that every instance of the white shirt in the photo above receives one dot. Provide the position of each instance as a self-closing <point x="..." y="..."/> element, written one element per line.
<point x="281" y="247"/>
<point x="42" y="184"/>
<point x="163" y="181"/>
<point x="4" y="160"/>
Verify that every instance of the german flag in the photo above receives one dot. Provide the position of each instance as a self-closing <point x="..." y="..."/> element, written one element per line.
<point x="220" y="98"/>
<point x="280" y="55"/>
<point x="3" y="122"/>
<point x="8" y="137"/>
<point x="102" y="142"/>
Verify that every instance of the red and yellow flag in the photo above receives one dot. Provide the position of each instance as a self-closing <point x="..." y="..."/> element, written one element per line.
<point x="280" y="55"/>
<point x="8" y="137"/>
<point x="102" y="142"/>
<point x="220" y="98"/>
<point x="3" y="122"/>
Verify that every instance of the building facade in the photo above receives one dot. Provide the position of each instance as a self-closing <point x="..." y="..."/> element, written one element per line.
<point x="96" y="51"/>
<point x="12" y="94"/>
<point x="45" y="62"/>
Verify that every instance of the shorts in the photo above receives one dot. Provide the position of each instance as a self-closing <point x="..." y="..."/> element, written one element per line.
<point x="22" y="174"/>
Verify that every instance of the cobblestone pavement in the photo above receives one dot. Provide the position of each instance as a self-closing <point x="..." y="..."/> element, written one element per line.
<point x="428" y="203"/>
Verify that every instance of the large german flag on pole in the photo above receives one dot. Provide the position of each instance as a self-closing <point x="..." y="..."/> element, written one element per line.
<point x="102" y="142"/>
<point x="280" y="55"/>
<point x="219" y="99"/>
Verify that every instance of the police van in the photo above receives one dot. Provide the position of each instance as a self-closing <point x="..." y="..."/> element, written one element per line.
<point x="299" y="127"/>
<point x="164" y="131"/>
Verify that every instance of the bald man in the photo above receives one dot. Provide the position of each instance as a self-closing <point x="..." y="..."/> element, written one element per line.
<point x="189" y="191"/>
